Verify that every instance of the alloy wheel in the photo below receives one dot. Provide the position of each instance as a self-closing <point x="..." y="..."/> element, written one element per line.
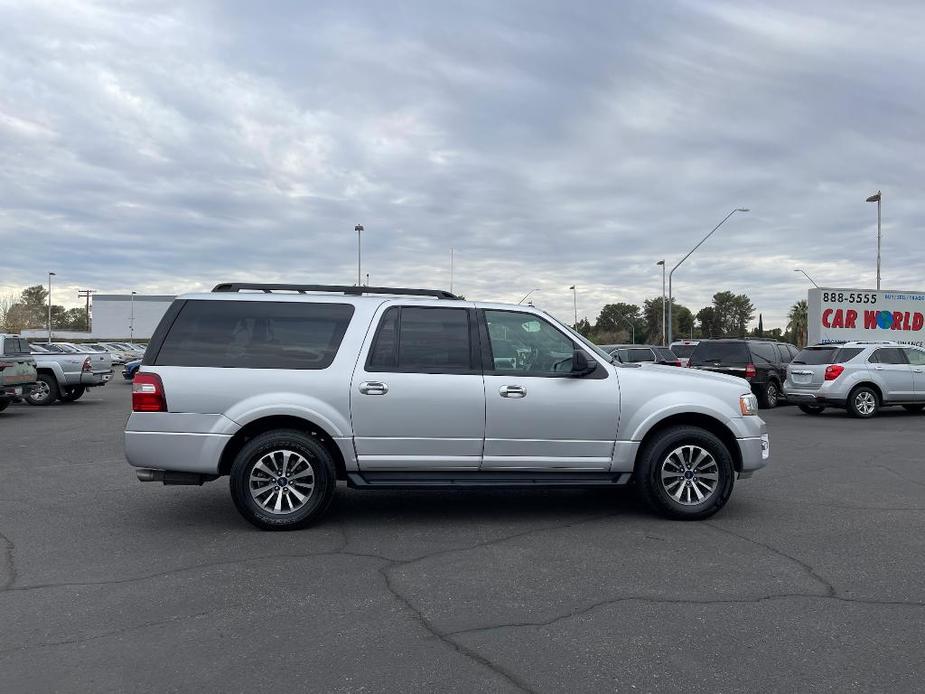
<point x="689" y="475"/>
<point x="865" y="403"/>
<point x="282" y="482"/>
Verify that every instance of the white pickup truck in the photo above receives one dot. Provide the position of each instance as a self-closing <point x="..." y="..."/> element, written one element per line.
<point x="66" y="376"/>
<point x="17" y="369"/>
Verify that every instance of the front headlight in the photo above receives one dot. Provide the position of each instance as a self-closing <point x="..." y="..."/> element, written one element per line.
<point x="748" y="404"/>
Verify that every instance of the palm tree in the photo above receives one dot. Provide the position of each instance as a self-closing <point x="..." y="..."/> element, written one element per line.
<point x="799" y="319"/>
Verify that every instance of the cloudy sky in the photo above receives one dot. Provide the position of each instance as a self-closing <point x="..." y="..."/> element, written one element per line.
<point x="166" y="147"/>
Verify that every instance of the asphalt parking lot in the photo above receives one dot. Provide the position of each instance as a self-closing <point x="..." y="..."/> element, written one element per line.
<point x="810" y="579"/>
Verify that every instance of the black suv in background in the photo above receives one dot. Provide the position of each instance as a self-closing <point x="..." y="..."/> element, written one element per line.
<point x="763" y="363"/>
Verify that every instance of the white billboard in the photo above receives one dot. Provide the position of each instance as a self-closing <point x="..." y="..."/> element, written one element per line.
<point x="837" y="314"/>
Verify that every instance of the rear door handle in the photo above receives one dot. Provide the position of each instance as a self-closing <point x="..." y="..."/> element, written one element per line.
<point x="512" y="391"/>
<point x="373" y="388"/>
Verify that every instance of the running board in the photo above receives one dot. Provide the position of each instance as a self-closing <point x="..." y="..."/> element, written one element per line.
<point x="478" y="479"/>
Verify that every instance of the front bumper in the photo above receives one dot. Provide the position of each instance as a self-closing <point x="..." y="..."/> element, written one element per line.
<point x="754" y="444"/>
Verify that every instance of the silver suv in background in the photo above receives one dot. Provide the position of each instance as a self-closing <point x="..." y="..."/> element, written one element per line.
<point x="860" y="377"/>
<point x="287" y="388"/>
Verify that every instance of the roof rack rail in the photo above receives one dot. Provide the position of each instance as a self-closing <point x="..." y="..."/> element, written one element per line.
<point x="333" y="288"/>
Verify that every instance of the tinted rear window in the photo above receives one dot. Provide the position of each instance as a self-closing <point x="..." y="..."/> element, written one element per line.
<point x="728" y="352"/>
<point x="15" y="345"/>
<point x="665" y="354"/>
<point x="683" y="351"/>
<point x="255" y="335"/>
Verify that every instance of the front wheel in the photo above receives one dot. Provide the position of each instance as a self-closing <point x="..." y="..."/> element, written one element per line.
<point x="44" y="392"/>
<point x="283" y="480"/>
<point x="73" y="393"/>
<point x="863" y="402"/>
<point x="686" y="473"/>
<point x="811" y="409"/>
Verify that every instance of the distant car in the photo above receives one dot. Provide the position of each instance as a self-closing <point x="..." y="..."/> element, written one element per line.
<point x="120" y="353"/>
<point x="860" y="377"/>
<point x="130" y="369"/>
<point x="636" y="354"/>
<point x="683" y="349"/>
<point x="761" y="362"/>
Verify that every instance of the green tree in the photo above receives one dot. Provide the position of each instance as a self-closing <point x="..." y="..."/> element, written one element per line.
<point x="616" y="323"/>
<point x="798" y="318"/>
<point x="584" y="328"/>
<point x="707" y="319"/>
<point x="34" y="301"/>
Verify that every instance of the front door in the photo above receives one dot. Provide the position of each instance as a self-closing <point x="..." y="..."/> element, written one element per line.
<point x="417" y="399"/>
<point x="916" y="357"/>
<point x="538" y="417"/>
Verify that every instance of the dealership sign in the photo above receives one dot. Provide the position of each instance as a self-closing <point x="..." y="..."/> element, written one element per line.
<point x="866" y="314"/>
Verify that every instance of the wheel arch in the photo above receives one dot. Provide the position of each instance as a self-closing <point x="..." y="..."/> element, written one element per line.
<point x="272" y="422"/>
<point x="868" y="384"/>
<point x="694" y="419"/>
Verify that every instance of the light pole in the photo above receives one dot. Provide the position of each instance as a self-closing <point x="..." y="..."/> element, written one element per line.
<point x="451" y="271"/>
<point x="131" y="322"/>
<point x="876" y="198"/>
<point x="575" y="305"/>
<point x="631" y="324"/>
<point x="799" y="269"/>
<point x="359" y="230"/>
<point x="527" y="294"/>
<point x="664" y="335"/>
<point x="50" y="275"/>
<point x="671" y="274"/>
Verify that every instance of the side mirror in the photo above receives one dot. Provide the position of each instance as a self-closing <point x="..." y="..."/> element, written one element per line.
<point x="582" y="365"/>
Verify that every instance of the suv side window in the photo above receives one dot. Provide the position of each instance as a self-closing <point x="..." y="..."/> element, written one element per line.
<point x="786" y="356"/>
<point x="916" y="357"/>
<point x="525" y="344"/>
<point x="888" y="355"/>
<point x="255" y="335"/>
<point x="635" y="355"/>
<point x="764" y="351"/>
<point x="422" y="339"/>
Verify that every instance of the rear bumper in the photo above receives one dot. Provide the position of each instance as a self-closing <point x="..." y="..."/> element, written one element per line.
<point x="803" y="397"/>
<point x="163" y="450"/>
<point x="16" y="391"/>
<point x="92" y="380"/>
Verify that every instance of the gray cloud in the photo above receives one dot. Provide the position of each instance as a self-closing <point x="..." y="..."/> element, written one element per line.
<point x="168" y="147"/>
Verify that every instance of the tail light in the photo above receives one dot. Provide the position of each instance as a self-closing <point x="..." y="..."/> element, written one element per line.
<point x="750" y="371"/>
<point x="87" y="367"/>
<point x="148" y="393"/>
<point x="5" y="365"/>
<point x="833" y="371"/>
<point x="676" y="362"/>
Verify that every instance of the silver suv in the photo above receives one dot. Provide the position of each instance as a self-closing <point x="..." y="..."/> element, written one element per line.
<point x="288" y="388"/>
<point x="861" y="377"/>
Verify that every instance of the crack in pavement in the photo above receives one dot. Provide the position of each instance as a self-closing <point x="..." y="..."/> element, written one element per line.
<point x="898" y="475"/>
<point x="10" y="561"/>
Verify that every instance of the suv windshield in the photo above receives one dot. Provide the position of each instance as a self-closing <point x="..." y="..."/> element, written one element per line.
<point x="708" y="352"/>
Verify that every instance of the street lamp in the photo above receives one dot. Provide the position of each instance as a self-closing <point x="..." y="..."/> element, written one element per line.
<point x="131" y="322"/>
<point x="50" y="275"/>
<point x="671" y="274"/>
<point x="528" y="294"/>
<point x="799" y="269"/>
<point x="662" y="263"/>
<point x="575" y="305"/>
<point x="359" y="230"/>
<point x="631" y="324"/>
<point x="451" y="270"/>
<point x="876" y="198"/>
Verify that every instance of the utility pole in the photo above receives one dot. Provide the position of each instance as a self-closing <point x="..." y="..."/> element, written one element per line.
<point x="85" y="294"/>
<point x="359" y="230"/>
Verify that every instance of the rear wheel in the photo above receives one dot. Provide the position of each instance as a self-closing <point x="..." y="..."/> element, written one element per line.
<point x="686" y="473"/>
<point x="914" y="408"/>
<point x="811" y="409"/>
<point x="769" y="395"/>
<point x="863" y="402"/>
<point x="283" y="480"/>
<point x="44" y="392"/>
<point x="72" y="394"/>
<point x="4" y="404"/>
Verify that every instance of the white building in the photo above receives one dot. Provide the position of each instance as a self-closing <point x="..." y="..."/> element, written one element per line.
<point x="123" y="316"/>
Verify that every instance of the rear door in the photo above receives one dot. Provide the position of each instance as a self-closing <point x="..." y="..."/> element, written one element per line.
<point x="916" y="357"/>
<point x="17" y="366"/>
<point x="538" y="417"/>
<point x="892" y="369"/>
<point x="417" y="399"/>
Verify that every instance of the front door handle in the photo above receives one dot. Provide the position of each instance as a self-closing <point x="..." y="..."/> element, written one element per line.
<point x="512" y="391"/>
<point x="878" y="368"/>
<point x="918" y="371"/>
<point x="373" y="388"/>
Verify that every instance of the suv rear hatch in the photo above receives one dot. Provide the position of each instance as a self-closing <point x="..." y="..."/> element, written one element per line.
<point x="722" y="357"/>
<point x="807" y="370"/>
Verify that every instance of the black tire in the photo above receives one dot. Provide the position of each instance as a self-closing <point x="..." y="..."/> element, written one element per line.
<point x="812" y="409"/>
<point x="314" y="455"/>
<point x="769" y="395"/>
<point x="73" y="393"/>
<point x="914" y="408"/>
<point x="863" y="402"/>
<point x="44" y="392"/>
<point x="660" y="451"/>
<point x="4" y="404"/>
